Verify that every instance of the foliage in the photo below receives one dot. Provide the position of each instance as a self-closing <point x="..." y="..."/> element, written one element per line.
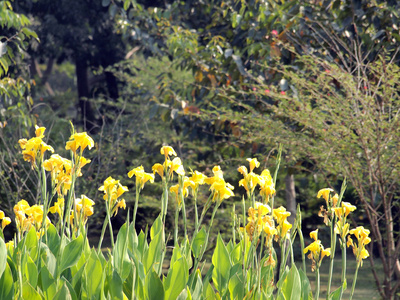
<point x="55" y="261"/>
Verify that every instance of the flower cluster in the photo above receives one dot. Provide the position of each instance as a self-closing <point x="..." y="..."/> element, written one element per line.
<point x="317" y="251"/>
<point x="259" y="220"/>
<point x="113" y="189"/>
<point x="280" y="214"/>
<point x="141" y="176"/>
<point x="251" y="180"/>
<point x="363" y="239"/>
<point x="33" y="149"/>
<point x="219" y="188"/>
<point x="27" y="216"/>
<point x="169" y="167"/>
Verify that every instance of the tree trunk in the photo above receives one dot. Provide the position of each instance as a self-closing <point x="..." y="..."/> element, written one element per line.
<point x="290" y="194"/>
<point x="87" y="114"/>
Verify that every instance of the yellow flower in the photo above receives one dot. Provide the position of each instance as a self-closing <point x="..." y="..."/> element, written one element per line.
<point x="335" y="199"/>
<point x="197" y="178"/>
<point x="324" y="193"/>
<point x="348" y="208"/>
<point x="262" y="209"/>
<point x="58" y="207"/>
<point x="362" y="234"/>
<point x="2" y="215"/>
<point x="120" y="204"/>
<point x="82" y="140"/>
<point x="284" y="228"/>
<point x="253" y="163"/>
<point x="141" y="176"/>
<point x="159" y="169"/>
<point x="325" y="252"/>
<point x="34" y="148"/>
<point x="4" y="222"/>
<point x="314" y="234"/>
<point x="85" y="205"/>
<point x="176" y="166"/>
<point x="314" y="247"/>
<point x="364" y="253"/>
<point x="39" y="131"/>
<point x="167" y="151"/>
<point x="112" y="190"/>
<point x="267" y="187"/>
<point x="280" y="214"/>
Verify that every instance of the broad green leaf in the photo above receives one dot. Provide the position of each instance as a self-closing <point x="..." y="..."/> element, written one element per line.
<point x="209" y="293"/>
<point x="142" y="244"/>
<point x="93" y="266"/>
<point x="53" y="239"/>
<point x="49" y="260"/>
<point x="291" y="287"/>
<point x="187" y="253"/>
<point x="156" y="227"/>
<point x="305" y="285"/>
<point x="3" y="256"/>
<point x="198" y="242"/>
<point x="6" y="284"/>
<point x="153" y="253"/>
<point x="222" y="266"/>
<point x="185" y="295"/>
<point x="30" y="271"/>
<point x="71" y="253"/>
<point x="236" y="286"/>
<point x="31" y="243"/>
<point x="63" y="293"/>
<point x="176" y="254"/>
<point x="115" y="286"/>
<point x="176" y="279"/>
<point x="71" y="290"/>
<point x="154" y="286"/>
<point x="28" y="292"/>
<point x="120" y="253"/>
<point x="198" y="286"/>
<point x="236" y="254"/>
<point x="47" y="283"/>
<point x="336" y="295"/>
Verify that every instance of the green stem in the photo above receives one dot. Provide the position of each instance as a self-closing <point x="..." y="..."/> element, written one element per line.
<point x="111" y="230"/>
<point x="343" y="246"/>
<point x="332" y="258"/>
<point x="317" y="283"/>
<point x="176" y="226"/>
<point x="136" y="205"/>
<point x="165" y="199"/>
<point x="283" y="258"/>
<point x="103" y="230"/>
<point x="181" y="179"/>
<point x="196" y="215"/>
<point x="233" y="225"/>
<point x="354" y="281"/>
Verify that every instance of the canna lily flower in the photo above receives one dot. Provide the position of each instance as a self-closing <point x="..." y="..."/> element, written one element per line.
<point x="280" y="214"/>
<point x="58" y="207"/>
<point x="324" y="193"/>
<point x="141" y="176"/>
<point x="159" y="169"/>
<point x="167" y="151"/>
<point x="112" y="191"/>
<point x="4" y="222"/>
<point x="267" y="187"/>
<point x="176" y="166"/>
<point x="314" y="234"/>
<point x="79" y="140"/>
<point x="120" y="204"/>
<point x="363" y="239"/>
<point x="197" y="178"/>
<point x="253" y="163"/>
<point x="34" y="148"/>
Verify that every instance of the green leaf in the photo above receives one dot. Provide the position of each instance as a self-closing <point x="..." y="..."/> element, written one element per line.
<point x="198" y="242"/>
<point x="236" y="286"/>
<point x="28" y="292"/>
<point x="30" y="271"/>
<point x="120" y="253"/>
<point x="6" y="284"/>
<point x="337" y="294"/>
<point x="31" y="243"/>
<point x="71" y="253"/>
<point x="53" y="239"/>
<point x="115" y="286"/>
<point x="185" y="295"/>
<point x="222" y="266"/>
<point x="291" y="287"/>
<point x="142" y="244"/>
<point x="305" y="285"/>
<point x="198" y="285"/>
<point x="154" y="286"/>
<point x="176" y="279"/>
<point x="3" y="256"/>
<point x="63" y="293"/>
<point x="93" y="266"/>
<point x="153" y="253"/>
<point x="47" y="283"/>
<point x="156" y="227"/>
